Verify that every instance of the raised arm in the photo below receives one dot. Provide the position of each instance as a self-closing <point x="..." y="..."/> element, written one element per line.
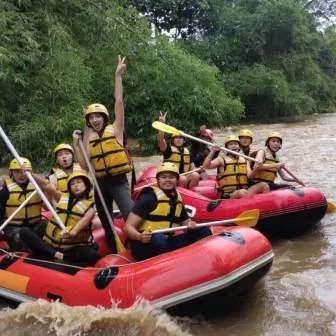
<point x="76" y="136"/>
<point x="119" y="122"/>
<point x="209" y="163"/>
<point x="160" y="136"/>
<point x="51" y="192"/>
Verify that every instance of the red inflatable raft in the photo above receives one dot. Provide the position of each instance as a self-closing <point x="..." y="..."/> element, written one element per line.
<point x="231" y="257"/>
<point x="283" y="212"/>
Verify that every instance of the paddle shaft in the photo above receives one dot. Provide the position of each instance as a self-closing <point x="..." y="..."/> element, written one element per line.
<point x="22" y="205"/>
<point x="99" y="192"/>
<point x="32" y="180"/>
<point x="221" y="147"/>
<point x="153" y="183"/>
<point x="293" y="176"/>
<point x="220" y="222"/>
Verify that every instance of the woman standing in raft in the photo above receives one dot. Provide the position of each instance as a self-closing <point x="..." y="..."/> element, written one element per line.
<point x="233" y="172"/>
<point x="270" y="164"/>
<point x="104" y="144"/>
<point x="76" y="210"/>
<point x="159" y="208"/>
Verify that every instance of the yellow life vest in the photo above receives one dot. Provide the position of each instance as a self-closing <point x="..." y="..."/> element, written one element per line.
<point x="31" y="212"/>
<point x="107" y="155"/>
<point x="165" y="214"/>
<point x="70" y="217"/>
<point x="267" y="175"/>
<point x="62" y="177"/>
<point x="176" y="157"/>
<point x="233" y="176"/>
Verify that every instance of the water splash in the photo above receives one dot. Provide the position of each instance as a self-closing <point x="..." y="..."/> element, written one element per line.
<point x="45" y="318"/>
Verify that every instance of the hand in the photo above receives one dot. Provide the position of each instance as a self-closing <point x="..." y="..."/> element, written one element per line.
<point x="280" y="165"/>
<point x="162" y="117"/>
<point x="191" y="225"/>
<point x="215" y="149"/>
<point x="145" y="237"/>
<point x="121" y="67"/>
<point x="76" y="135"/>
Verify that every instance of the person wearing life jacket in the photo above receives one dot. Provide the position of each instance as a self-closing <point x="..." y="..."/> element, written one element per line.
<point x="245" y="139"/>
<point x="270" y="164"/>
<point x="75" y="209"/>
<point x="104" y="145"/>
<point x="14" y="191"/>
<point x="176" y="152"/>
<point x="199" y="151"/>
<point x="159" y="208"/>
<point x="233" y="172"/>
<point x="64" y="165"/>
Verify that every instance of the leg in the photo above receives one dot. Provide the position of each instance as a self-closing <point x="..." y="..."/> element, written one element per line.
<point x="121" y="194"/>
<point x="258" y="188"/>
<point x="241" y="193"/>
<point x="193" y="179"/>
<point x="102" y="216"/>
<point x="81" y="255"/>
<point x="35" y="243"/>
<point x="190" y="237"/>
<point x="142" y="251"/>
<point x="14" y="241"/>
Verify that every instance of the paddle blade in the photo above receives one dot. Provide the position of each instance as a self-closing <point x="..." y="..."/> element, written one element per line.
<point x="165" y="128"/>
<point x="120" y="245"/>
<point x="331" y="207"/>
<point x="248" y="218"/>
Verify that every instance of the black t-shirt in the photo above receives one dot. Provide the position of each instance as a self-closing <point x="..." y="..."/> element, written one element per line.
<point x="146" y="203"/>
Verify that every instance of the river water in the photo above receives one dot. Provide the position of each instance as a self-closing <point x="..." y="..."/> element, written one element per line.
<point x="297" y="297"/>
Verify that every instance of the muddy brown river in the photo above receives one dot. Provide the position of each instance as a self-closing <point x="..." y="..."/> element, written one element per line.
<point x="297" y="296"/>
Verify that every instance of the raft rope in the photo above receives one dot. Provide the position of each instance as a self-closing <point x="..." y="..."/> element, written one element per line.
<point x="19" y="256"/>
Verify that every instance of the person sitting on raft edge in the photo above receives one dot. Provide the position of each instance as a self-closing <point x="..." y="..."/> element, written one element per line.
<point x="270" y="165"/>
<point x="75" y="208"/>
<point x="176" y="152"/>
<point x="233" y="172"/>
<point x="160" y="207"/>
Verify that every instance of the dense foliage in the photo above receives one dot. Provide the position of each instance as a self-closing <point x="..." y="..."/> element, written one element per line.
<point x="226" y="60"/>
<point x="58" y="56"/>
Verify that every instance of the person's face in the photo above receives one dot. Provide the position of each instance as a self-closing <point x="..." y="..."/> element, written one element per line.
<point x="245" y="141"/>
<point x="167" y="181"/>
<point x="64" y="158"/>
<point x="77" y="186"/>
<point x="178" y="141"/>
<point x="96" y="121"/>
<point x="274" y="144"/>
<point x="19" y="176"/>
<point x="233" y="145"/>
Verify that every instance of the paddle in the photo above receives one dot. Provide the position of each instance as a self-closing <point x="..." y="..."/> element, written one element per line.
<point x="330" y="206"/>
<point x="155" y="182"/>
<point x="22" y="205"/>
<point x="170" y="129"/>
<point x="247" y="218"/>
<point x="120" y="246"/>
<point x="32" y="180"/>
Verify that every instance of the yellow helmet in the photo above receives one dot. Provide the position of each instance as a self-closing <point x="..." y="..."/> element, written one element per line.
<point x="245" y="133"/>
<point x="231" y="137"/>
<point x="273" y="135"/>
<point x="82" y="174"/>
<point x="96" y="108"/>
<point x="63" y="146"/>
<point x="14" y="164"/>
<point x="167" y="167"/>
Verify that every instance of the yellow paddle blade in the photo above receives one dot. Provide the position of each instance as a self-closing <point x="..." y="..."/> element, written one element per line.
<point x="165" y="128"/>
<point x="331" y="207"/>
<point x="248" y="218"/>
<point x="120" y="246"/>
